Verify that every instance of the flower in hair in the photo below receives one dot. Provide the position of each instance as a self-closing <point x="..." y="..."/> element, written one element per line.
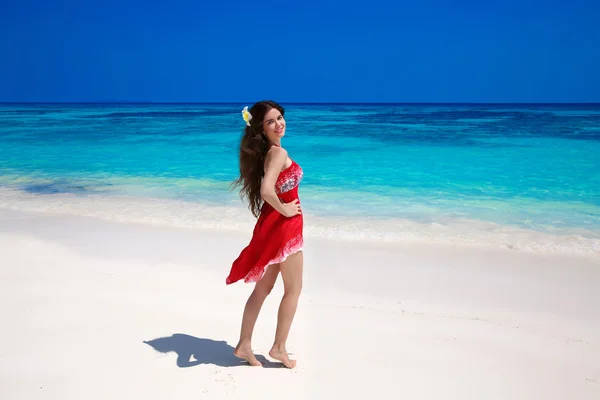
<point x="246" y="115"/>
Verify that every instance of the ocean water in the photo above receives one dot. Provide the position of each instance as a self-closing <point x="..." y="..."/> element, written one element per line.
<point x="520" y="176"/>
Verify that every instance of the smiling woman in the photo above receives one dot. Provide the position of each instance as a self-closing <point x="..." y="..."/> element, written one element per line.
<point x="270" y="180"/>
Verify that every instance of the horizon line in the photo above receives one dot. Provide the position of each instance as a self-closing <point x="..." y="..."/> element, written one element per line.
<point x="290" y="102"/>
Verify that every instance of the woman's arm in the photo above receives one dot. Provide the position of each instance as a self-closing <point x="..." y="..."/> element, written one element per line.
<point x="274" y="163"/>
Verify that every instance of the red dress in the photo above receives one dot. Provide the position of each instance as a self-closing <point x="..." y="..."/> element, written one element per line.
<point x="275" y="236"/>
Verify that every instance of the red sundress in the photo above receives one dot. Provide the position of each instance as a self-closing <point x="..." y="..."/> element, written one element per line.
<point x="275" y="236"/>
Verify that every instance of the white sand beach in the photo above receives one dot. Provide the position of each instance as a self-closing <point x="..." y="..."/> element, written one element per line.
<point x="93" y="309"/>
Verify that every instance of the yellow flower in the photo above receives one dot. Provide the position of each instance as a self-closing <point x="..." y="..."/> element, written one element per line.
<point x="246" y="115"/>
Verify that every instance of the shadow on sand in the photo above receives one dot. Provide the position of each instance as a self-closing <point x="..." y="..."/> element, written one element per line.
<point x="192" y="351"/>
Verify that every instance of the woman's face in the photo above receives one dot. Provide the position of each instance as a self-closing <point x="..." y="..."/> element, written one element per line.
<point x="274" y="125"/>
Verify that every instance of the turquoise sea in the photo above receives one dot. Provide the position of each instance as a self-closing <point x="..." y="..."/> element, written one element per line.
<point x="520" y="176"/>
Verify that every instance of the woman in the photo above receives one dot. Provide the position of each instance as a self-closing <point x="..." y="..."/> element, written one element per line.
<point x="269" y="180"/>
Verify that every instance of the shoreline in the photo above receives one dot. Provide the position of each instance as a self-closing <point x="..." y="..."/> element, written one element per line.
<point x="237" y="219"/>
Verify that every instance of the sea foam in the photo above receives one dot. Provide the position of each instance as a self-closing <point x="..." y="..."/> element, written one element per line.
<point x="194" y="215"/>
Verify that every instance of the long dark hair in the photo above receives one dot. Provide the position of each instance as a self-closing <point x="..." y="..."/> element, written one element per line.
<point x="254" y="146"/>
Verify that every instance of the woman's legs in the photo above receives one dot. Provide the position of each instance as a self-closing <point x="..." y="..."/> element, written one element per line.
<point x="291" y="272"/>
<point x="251" y="311"/>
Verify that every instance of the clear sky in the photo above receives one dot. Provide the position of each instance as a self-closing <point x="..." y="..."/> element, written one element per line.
<point x="300" y="51"/>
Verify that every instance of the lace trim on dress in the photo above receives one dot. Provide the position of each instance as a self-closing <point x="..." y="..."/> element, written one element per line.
<point x="289" y="178"/>
<point x="293" y="245"/>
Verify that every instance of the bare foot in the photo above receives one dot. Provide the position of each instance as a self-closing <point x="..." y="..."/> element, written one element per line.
<point x="244" y="352"/>
<point x="282" y="355"/>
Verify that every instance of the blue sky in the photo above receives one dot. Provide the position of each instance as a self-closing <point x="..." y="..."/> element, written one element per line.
<point x="300" y="51"/>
